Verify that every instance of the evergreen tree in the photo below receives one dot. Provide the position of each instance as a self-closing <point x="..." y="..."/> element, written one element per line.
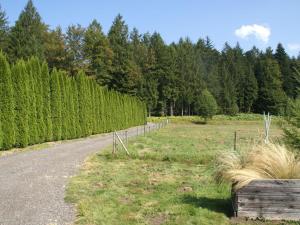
<point x="33" y="127"/>
<point x="3" y="30"/>
<point x="56" y="105"/>
<point x="55" y="49"/>
<point x="26" y="37"/>
<point x="76" y="109"/>
<point x="206" y="105"/>
<point x="285" y="69"/>
<point x="7" y="104"/>
<point x="98" y="53"/>
<point x="227" y="96"/>
<point x="271" y="97"/>
<point x="291" y="127"/>
<point x="21" y="94"/>
<point x="36" y="73"/>
<point x="247" y="91"/>
<point x="46" y="102"/>
<point x="82" y="88"/>
<point x="74" y="49"/>
<point x="64" y="105"/>
<point x="125" y="73"/>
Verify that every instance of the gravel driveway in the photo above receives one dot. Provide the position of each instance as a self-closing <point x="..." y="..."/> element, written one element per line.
<point x="32" y="184"/>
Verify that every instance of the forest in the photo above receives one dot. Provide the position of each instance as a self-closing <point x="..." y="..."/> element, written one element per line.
<point x="169" y="78"/>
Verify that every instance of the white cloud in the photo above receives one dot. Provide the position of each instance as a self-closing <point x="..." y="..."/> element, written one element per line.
<point x="294" y="47"/>
<point x="260" y="32"/>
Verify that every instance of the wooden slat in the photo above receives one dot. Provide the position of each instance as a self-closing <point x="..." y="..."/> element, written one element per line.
<point x="269" y="199"/>
<point x="292" y="205"/>
<point x="269" y="216"/>
<point x="274" y="183"/>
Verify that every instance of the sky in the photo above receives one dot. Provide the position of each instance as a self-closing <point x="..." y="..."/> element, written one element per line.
<point x="261" y="23"/>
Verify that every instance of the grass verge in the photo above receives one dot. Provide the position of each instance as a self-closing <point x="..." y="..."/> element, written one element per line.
<point x="168" y="179"/>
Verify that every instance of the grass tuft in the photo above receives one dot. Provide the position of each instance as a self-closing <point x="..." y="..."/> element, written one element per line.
<point x="264" y="161"/>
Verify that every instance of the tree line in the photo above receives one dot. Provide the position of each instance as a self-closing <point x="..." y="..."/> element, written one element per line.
<point x="169" y="78"/>
<point x="38" y="106"/>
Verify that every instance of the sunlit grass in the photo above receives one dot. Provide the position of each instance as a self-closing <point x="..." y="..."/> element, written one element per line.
<point x="167" y="179"/>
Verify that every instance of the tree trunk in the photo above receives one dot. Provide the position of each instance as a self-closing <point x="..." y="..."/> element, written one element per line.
<point x="171" y="108"/>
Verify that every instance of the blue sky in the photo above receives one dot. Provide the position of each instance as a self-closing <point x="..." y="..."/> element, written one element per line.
<point x="257" y="22"/>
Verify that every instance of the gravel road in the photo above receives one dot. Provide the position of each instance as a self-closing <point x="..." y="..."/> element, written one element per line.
<point x="32" y="184"/>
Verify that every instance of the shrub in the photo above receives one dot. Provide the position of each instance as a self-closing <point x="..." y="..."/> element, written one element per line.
<point x="206" y="105"/>
<point x="291" y="126"/>
<point x="264" y="161"/>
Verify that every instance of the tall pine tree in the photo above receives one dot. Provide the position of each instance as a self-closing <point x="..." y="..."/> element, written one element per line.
<point x="26" y="36"/>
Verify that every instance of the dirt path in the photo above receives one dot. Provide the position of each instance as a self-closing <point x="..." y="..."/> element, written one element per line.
<point x="32" y="184"/>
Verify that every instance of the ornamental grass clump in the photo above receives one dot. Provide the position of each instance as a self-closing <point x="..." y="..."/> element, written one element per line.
<point x="264" y="161"/>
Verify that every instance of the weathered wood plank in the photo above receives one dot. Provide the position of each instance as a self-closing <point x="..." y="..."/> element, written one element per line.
<point x="269" y="199"/>
<point x="274" y="183"/>
<point x="292" y="205"/>
<point x="269" y="216"/>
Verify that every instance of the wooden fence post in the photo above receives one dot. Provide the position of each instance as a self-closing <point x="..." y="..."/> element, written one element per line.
<point x="234" y="147"/>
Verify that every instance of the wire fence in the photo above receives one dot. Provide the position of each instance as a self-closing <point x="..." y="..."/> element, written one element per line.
<point x="121" y="137"/>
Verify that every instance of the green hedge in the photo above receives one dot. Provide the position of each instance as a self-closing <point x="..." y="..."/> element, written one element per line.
<point x="37" y="106"/>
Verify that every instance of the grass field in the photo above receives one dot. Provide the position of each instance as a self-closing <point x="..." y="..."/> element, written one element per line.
<point x="168" y="179"/>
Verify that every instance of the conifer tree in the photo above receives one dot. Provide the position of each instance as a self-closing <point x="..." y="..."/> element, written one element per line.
<point x="82" y="88"/>
<point x="55" y="49"/>
<point x="56" y="105"/>
<point x="33" y="127"/>
<point x="38" y="92"/>
<point x="125" y="73"/>
<point x="64" y="105"/>
<point x="247" y="91"/>
<point x="77" y="126"/>
<point x="227" y="95"/>
<point x="98" y="53"/>
<point x="271" y="97"/>
<point x="74" y="49"/>
<point x="7" y="104"/>
<point x="4" y="29"/>
<point x="206" y="105"/>
<point x="287" y="75"/>
<point x="46" y="102"/>
<point x="21" y="94"/>
<point x="26" y="36"/>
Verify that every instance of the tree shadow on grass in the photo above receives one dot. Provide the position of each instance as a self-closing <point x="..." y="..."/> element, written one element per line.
<point x="199" y="122"/>
<point x="212" y="204"/>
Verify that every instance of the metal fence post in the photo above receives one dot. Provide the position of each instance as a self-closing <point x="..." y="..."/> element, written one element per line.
<point x="126" y="136"/>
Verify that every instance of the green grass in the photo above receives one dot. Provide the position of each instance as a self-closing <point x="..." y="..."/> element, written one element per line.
<point x="168" y="178"/>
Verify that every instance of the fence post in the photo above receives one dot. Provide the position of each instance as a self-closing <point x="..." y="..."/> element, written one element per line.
<point x="126" y="136"/>
<point x="234" y="147"/>
<point x="144" y="130"/>
<point x="114" y="147"/>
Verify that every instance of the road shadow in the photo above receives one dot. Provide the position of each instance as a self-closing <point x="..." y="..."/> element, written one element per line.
<point x="212" y="204"/>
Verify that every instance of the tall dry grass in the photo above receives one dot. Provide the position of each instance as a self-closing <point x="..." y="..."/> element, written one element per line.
<point x="264" y="161"/>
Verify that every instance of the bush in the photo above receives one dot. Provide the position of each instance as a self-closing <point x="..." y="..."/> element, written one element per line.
<point x="265" y="161"/>
<point x="206" y="105"/>
<point x="291" y="125"/>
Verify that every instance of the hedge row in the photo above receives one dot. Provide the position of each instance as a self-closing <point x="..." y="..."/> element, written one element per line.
<point x="36" y="106"/>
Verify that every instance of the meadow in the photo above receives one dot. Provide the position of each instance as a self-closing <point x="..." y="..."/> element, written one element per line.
<point x="169" y="176"/>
